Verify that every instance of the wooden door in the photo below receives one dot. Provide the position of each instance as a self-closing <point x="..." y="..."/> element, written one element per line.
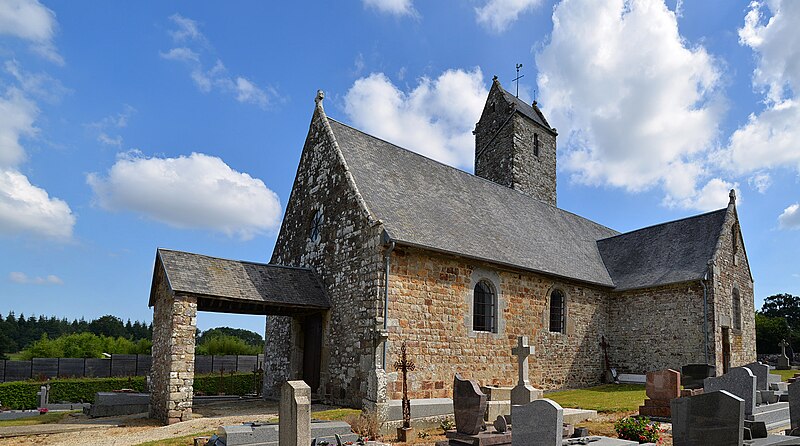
<point x="312" y="350"/>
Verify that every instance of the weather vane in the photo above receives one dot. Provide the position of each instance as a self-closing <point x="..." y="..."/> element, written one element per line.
<point x="516" y="79"/>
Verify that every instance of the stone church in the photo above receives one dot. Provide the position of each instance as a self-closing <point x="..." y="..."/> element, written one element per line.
<point x="389" y="246"/>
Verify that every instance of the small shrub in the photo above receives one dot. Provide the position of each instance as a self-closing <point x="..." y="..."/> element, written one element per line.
<point x="639" y="429"/>
<point x="447" y="425"/>
<point x="365" y="425"/>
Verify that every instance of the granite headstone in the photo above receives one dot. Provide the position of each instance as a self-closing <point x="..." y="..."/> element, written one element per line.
<point x="794" y="404"/>
<point x="761" y="371"/>
<point x="739" y="381"/>
<point x="713" y="418"/>
<point x="469" y="405"/>
<point x="538" y="423"/>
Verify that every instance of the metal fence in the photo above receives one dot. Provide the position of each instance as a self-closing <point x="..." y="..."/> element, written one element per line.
<point x="117" y="365"/>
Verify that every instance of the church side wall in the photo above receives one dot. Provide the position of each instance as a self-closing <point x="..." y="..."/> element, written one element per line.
<point x="347" y="258"/>
<point x="730" y="273"/>
<point x="656" y="328"/>
<point x="430" y="307"/>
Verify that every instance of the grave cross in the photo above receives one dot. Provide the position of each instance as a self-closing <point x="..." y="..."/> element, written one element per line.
<point x="783" y="344"/>
<point x="404" y="365"/>
<point x="522" y="351"/>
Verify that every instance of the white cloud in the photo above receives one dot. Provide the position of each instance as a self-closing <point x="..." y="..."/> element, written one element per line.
<point x="790" y="218"/>
<point x="111" y="123"/>
<point x="761" y="181"/>
<point x="19" y="114"/>
<point x="714" y="195"/>
<point x="635" y="105"/>
<point x="393" y="7"/>
<point x="771" y="138"/>
<point x="22" y="278"/>
<point x="435" y="118"/>
<point x="32" y="21"/>
<point x="244" y="90"/>
<point x="38" y="85"/>
<point x="25" y="208"/>
<point x="196" y="191"/>
<point x="496" y="15"/>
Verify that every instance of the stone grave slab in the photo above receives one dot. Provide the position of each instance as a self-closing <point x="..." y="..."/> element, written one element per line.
<point x="497" y="408"/>
<point x="249" y="434"/>
<point x="469" y="406"/>
<point x="600" y="441"/>
<point x="714" y="418"/>
<point x="489" y="437"/>
<point x="739" y="381"/>
<point x="629" y="378"/>
<point x="421" y="408"/>
<point x="776" y="416"/>
<point x="497" y="393"/>
<point x="761" y="372"/>
<point x="538" y="423"/>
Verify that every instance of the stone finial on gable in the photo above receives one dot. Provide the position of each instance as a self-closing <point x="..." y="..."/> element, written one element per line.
<point x="732" y="195"/>
<point x="318" y="99"/>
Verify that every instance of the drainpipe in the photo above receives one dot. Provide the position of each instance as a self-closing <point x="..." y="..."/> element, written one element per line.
<point x="705" y="314"/>
<point x="386" y="260"/>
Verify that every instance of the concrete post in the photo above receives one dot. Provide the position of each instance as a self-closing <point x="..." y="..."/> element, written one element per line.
<point x="294" y="415"/>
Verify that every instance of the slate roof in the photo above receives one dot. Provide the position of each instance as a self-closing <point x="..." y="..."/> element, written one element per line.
<point x="428" y="204"/>
<point x="242" y="281"/>
<point x="525" y="108"/>
<point x="672" y="252"/>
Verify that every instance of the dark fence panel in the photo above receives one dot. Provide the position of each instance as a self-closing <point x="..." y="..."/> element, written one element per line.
<point x="18" y="370"/>
<point x="225" y="363"/>
<point x="2" y="370"/>
<point x="202" y="364"/>
<point x="71" y="367"/>
<point x="123" y="365"/>
<point x="44" y="367"/>
<point x="143" y="363"/>
<point x="247" y="364"/>
<point x="98" y="368"/>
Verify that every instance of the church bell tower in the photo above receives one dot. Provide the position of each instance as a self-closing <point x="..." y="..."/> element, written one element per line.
<point x="515" y="146"/>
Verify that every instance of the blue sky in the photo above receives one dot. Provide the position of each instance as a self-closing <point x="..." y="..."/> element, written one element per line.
<point x="180" y="124"/>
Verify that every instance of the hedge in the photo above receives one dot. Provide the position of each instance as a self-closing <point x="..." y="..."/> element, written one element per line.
<point x="22" y="394"/>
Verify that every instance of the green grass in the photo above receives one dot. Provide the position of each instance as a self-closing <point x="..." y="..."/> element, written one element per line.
<point x="607" y="398"/>
<point x="785" y="374"/>
<point x="335" y="414"/>
<point x="186" y="440"/>
<point x="47" y="418"/>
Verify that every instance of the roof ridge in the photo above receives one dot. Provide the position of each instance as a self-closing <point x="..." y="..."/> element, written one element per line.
<point x="665" y="223"/>
<point x="235" y="260"/>
<point x="472" y="175"/>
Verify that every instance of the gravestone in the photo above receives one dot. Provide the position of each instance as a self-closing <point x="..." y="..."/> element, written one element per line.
<point x="523" y="392"/>
<point x="693" y="375"/>
<point x="538" y="423"/>
<point x="661" y="387"/>
<point x="761" y="372"/>
<point x="794" y="404"/>
<point x="44" y="396"/>
<point x="740" y="382"/>
<point x="469" y="405"/>
<point x="783" y="360"/>
<point x="714" y="418"/>
<point x="294" y="416"/>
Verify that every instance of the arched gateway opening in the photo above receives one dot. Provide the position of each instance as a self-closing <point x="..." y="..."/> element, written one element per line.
<point x="185" y="283"/>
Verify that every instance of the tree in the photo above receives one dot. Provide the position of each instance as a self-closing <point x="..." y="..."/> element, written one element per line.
<point x="769" y="332"/>
<point x="108" y="325"/>
<point x="783" y="305"/>
<point x="226" y="345"/>
<point x="249" y="337"/>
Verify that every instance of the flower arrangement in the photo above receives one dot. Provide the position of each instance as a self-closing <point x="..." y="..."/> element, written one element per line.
<point x="639" y="429"/>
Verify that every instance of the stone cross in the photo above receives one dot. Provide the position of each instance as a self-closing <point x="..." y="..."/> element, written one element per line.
<point x="783" y="344"/>
<point x="404" y="365"/>
<point x="522" y="351"/>
<point x="783" y="360"/>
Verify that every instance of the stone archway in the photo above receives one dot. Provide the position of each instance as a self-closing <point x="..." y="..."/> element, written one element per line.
<point x="185" y="283"/>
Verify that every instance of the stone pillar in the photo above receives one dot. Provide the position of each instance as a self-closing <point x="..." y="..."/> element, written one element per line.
<point x="376" y="400"/>
<point x="172" y="372"/>
<point x="294" y="416"/>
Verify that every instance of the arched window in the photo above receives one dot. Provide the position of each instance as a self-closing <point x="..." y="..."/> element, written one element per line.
<point x="557" y="313"/>
<point x="484" y="308"/>
<point x="736" y="309"/>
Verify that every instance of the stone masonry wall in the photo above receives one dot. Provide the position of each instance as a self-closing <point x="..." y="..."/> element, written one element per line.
<point x="494" y="140"/>
<point x="534" y="175"/>
<point x="348" y="259"/>
<point x="430" y="301"/>
<point x="172" y="373"/>
<point x="727" y="273"/>
<point x="656" y="328"/>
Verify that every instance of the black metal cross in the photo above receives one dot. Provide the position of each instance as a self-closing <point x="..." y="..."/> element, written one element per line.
<point x="516" y="79"/>
<point x="405" y="365"/>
